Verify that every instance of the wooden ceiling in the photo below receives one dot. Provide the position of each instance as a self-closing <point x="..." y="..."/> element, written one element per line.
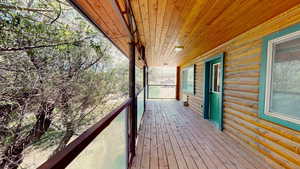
<point x="198" y="25"/>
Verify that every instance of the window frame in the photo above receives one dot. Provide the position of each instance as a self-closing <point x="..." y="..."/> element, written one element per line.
<point x="265" y="87"/>
<point x="183" y="82"/>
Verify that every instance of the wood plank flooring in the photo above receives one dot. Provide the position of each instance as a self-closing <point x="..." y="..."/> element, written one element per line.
<point x="174" y="137"/>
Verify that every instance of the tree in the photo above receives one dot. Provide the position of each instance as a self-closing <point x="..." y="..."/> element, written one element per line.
<point x="55" y="74"/>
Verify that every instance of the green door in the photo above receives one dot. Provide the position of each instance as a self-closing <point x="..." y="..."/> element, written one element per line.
<point x="215" y="92"/>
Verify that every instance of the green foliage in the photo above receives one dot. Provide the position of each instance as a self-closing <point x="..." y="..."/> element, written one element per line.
<point x="50" y="55"/>
<point x="51" y="138"/>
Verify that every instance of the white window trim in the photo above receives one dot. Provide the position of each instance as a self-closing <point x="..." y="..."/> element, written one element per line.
<point x="268" y="86"/>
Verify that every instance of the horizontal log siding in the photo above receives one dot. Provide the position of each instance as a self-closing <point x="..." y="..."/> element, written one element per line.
<point x="278" y="145"/>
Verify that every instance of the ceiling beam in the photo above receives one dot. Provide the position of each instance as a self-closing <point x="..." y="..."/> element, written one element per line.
<point x="119" y="13"/>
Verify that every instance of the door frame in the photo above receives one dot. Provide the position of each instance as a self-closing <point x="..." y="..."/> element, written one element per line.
<point x="206" y="87"/>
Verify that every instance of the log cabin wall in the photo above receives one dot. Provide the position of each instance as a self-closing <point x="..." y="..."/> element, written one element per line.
<point x="279" y="145"/>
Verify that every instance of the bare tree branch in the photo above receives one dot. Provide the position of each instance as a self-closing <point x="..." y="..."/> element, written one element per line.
<point x="58" y="15"/>
<point x="39" y="46"/>
<point x="6" y="6"/>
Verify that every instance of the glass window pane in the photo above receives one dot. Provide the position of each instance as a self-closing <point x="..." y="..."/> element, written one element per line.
<point x="139" y="79"/>
<point x="216" y="78"/>
<point x="188" y="79"/>
<point x="107" y="150"/>
<point x="162" y="75"/>
<point x="285" y="80"/>
<point x="140" y="107"/>
<point x="72" y="80"/>
<point x="166" y="92"/>
<point x="185" y="79"/>
<point x="162" y="82"/>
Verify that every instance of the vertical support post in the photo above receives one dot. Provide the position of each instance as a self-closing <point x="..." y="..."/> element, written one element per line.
<point x="147" y="82"/>
<point x="132" y="108"/>
<point x="144" y="80"/>
<point x="178" y="83"/>
<point x="144" y="76"/>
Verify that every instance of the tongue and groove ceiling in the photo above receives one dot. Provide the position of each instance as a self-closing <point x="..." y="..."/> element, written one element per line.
<point x="198" y="25"/>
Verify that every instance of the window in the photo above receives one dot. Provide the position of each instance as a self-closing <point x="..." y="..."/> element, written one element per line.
<point x="162" y="83"/>
<point x="216" y="77"/>
<point x="139" y="81"/>
<point x="280" y="78"/>
<point x="188" y="79"/>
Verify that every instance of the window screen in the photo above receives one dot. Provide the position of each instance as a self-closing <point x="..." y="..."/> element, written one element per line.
<point x="284" y="79"/>
<point x="162" y="82"/>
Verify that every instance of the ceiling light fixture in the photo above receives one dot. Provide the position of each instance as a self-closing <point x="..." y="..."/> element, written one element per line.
<point x="179" y="48"/>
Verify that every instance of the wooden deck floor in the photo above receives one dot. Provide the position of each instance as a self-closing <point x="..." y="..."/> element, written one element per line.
<point x="175" y="137"/>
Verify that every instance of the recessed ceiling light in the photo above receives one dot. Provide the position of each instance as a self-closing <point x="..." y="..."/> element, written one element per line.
<point x="179" y="48"/>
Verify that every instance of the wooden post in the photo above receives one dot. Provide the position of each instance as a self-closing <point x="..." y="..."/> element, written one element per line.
<point x="145" y="85"/>
<point x="144" y="76"/>
<point x="147" y="82"/>
<point x="178" y="83"/>
<point x="133" y="106"/>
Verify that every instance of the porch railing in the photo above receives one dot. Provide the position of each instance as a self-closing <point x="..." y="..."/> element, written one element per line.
<point x="85" y="147"/>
